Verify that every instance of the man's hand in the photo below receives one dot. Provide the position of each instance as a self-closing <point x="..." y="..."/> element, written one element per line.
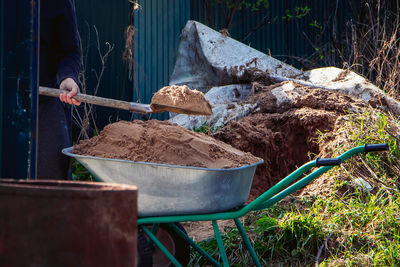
<point x="70" y="85"/>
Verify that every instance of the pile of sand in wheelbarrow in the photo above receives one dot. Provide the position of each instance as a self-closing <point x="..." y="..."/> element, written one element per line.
<point x="162" y="142"/>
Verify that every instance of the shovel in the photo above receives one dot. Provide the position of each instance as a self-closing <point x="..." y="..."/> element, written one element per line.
<point x="112" y="103"/>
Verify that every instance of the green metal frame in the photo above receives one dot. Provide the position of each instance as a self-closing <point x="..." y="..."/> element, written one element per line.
<point x="266" y="200"/>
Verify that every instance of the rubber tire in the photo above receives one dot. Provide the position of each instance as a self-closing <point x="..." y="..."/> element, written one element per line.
<point x="145" y="253"/>
<point x="182" y="248"/>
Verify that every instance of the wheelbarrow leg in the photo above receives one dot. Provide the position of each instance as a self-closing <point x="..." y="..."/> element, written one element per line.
<point x="246" y="240"/>
<point x="193" y="244"/>
<point x="161" y="246"/>
<point x="221" y="247"/>
<point x="154" y="230"/>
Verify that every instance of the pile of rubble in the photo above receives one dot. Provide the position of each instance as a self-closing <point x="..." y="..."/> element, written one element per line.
<point x="264" y="106"/>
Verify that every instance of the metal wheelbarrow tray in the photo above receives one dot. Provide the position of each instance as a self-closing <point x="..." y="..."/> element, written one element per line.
<point x="174" y="190"/>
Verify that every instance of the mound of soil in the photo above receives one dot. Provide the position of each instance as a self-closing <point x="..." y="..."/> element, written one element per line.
<point x="162" y="142"/>
<point x="181" y="99"/>
<point x="284" y="136"/>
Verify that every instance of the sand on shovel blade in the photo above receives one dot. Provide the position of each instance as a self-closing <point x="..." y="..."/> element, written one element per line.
<point x="180" y="99"/>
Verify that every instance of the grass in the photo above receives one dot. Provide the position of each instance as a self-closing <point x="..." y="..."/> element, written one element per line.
<point x="80" y="173"/>
<point x="205" y="128"/>
<point x="349" y="226"/>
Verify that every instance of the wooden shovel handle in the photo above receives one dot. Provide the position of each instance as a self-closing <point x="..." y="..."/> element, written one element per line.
<point x="100" y="101"/>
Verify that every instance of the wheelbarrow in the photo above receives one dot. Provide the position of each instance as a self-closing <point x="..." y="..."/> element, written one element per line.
<point x="222" y="206"/>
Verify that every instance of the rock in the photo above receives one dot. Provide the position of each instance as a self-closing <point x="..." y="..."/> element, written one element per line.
<point x="207" y="58"/>
<point x="228" y="93"/>
<point x="362" y="185"/>
<point x="225" y="68"/>
<point x="223" y="113"/>
<point x="286" y="94"/>
<point x="348" y="83"/>
<point x="225" y="107"/>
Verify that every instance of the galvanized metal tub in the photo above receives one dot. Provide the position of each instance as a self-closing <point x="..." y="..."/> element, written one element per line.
<point x="174" y="190"/>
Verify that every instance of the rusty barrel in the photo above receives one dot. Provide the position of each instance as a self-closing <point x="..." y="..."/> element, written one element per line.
<point x="64" y="223"/>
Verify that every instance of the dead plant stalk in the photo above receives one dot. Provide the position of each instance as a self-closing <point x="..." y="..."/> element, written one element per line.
<point x="84" y="121"/>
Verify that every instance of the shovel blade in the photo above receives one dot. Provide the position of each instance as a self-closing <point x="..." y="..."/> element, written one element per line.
<point x="157" y="108"/>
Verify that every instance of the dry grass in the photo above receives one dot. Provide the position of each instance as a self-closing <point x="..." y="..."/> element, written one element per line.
<point x="84" y="117"/>
<point x="372" y="48"/>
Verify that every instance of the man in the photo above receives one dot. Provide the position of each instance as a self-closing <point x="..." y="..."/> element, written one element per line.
<point x="60" y="64"/>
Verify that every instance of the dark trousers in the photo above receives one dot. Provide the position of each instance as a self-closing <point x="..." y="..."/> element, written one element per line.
<point x="54" y="134"/>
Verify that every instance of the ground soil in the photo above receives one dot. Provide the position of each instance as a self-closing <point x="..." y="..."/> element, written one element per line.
<point x="201" y="230"/>
<point x="162" y="142"/>
<point x="285" y="136"/>
<point x="180" y="99"/>
<point x="284" y="141"/>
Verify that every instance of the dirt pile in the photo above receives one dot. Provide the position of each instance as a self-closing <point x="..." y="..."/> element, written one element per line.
<point x="284" y="136"/>
<point x="162" y="142"/>
<point x="180" y="99"/>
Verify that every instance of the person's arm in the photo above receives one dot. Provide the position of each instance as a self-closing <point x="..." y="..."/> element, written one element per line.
<point x="70" y="54"/>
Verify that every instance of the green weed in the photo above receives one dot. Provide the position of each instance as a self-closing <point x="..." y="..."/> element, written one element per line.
<point x="80" y="173"/>
<point x="205" y="128"/>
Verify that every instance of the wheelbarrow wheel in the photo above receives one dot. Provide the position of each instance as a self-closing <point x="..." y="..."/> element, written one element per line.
<point x="178" y="247"/>
<point x="145" y="257"/>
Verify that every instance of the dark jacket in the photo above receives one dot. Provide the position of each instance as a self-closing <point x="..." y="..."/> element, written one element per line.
<point x="60" y="58"/>
<point x="60" y="55"/>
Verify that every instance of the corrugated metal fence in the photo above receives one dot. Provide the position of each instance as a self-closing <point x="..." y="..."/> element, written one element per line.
<point x="102" y="24"/>
<point x="158" y="26"/>
<point x="289" y="30"/>
<point x="157" y="29"/>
